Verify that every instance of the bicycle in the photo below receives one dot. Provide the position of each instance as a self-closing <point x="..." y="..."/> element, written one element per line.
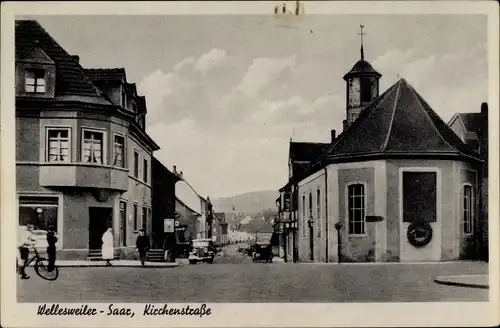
<point x="42" y="266"/>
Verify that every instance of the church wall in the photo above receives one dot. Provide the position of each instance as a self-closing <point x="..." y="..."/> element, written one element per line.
<point x="310" y="186"/>
<point x="358" y="248"/>
<point x="468" y="175"/>
<point x="444" y="242"/>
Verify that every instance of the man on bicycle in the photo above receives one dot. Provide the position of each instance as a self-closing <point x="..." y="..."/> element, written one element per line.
<point x="25" y="240"/>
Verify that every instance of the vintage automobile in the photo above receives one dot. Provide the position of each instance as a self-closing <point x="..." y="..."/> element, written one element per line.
<point x="203" y="250"/>
<point x="262" y="251"/>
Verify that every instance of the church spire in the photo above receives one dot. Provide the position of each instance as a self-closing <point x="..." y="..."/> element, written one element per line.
<point x="361" y="35"/>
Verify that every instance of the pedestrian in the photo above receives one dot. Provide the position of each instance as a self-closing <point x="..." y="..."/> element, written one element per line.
<point x="51" y="248"/>
<point x="143" y="245"/>
<point x="25" y="241"/>
<point x="108" y="248"/>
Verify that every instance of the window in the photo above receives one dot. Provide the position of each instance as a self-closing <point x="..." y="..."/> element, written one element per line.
<point x="123" y="223"/>
<point x="304" y="214"/>
<point x="366" y="90"/>
<point x="42" y="213"/>
<point x="93" y="146"/>
<point x="310" y="205"/>
<point x="136" y="214"/>
<point x="145" y="170"/>
<point x="136" y="164"/>
<point x="356" y="209"/>
<point x="318" y="211"/>
<point x="119" y="149"/>
<point x="468" y="211"/>
<point x="58" y="145"/>
<point x="35" y="81"/>
<point x="144" y="219"/>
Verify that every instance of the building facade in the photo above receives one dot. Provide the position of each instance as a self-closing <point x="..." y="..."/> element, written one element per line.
<point x="397" y="185"/>
<point x="83" y="157"/>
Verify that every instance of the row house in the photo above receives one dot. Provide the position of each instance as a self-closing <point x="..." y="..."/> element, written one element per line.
<point x="220" y="231"/>
<point x="83" y="157"/>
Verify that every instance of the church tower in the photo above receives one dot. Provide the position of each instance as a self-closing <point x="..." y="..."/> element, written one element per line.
<point x="362" y="86"/>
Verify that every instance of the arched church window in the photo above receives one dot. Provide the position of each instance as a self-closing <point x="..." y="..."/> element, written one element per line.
<point x="356" y="208"/>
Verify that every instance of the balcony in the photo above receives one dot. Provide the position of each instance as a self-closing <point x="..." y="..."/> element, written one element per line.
<point x="83" y="175"/>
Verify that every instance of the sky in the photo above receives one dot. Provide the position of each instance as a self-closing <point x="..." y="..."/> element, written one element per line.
<point x="226" y="93"/>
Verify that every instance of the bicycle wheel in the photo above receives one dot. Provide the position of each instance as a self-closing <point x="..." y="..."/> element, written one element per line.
<point x="42" y="270"/>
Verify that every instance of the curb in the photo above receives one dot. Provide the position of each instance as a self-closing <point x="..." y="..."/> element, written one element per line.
<point x="446" y="281"/>
<point x="85" y="265"/>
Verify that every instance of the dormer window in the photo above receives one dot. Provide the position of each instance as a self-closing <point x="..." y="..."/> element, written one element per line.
<point x="35" y="81"/>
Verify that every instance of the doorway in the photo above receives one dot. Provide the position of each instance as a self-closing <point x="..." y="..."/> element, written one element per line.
<point x="100" y="219"/>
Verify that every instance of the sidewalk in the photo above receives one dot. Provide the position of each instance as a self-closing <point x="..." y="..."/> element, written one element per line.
<point x="115" y="264"/>
<point x="473" y="281"/>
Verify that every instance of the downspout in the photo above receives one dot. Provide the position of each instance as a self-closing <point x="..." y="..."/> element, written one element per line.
<point x="326" y="212"/>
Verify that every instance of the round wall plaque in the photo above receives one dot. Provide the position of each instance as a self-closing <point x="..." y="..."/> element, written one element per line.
<point x="419" y="233"/>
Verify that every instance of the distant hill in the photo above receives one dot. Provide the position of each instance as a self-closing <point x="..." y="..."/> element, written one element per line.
<point x="249" y="203"/>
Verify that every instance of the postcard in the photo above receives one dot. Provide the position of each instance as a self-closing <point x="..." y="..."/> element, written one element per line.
<point x="234" y="164"/>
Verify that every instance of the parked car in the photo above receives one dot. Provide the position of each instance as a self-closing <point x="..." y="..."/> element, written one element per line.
<point x="262" y="252"/>
<point x="203" y="250"/>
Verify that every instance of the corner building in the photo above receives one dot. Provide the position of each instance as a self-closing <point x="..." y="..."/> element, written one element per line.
<point x="83" y="157"/>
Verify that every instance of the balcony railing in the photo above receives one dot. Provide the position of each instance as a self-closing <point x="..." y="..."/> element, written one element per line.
<point x="85" y="175"/>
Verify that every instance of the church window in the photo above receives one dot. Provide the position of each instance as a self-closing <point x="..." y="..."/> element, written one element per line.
<point x="356" y="208"/>
<point x="468" y="212"/>
<point x="310" y="205"/>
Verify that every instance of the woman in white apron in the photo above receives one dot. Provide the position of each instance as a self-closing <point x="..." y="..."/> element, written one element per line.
<point x="108" y="248"/>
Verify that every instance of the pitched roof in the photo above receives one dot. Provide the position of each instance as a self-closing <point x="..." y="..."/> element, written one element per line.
<point x="106" y="74"/>
<point x="472" y="121"/>
<point x="306" y="151"/>
<point x="399" y="122"/>
<point x="70" y="76"/>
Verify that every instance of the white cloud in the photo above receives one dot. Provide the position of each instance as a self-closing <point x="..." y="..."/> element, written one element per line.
<point x="211" y="59"/>
<point x="263" y="71"/>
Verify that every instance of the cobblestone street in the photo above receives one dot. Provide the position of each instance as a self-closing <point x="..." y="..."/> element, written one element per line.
<point x="235" y="278"/>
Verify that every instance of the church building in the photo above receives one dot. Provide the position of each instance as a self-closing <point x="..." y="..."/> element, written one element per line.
<point x="396" y="185"/>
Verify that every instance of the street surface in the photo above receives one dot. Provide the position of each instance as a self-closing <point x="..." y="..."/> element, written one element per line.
<point x="235" y="278"/>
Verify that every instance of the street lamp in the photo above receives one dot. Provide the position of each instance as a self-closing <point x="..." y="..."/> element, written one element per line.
<point x="338" y="226"/>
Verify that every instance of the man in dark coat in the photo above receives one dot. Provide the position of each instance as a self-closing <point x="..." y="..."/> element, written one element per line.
<point x="142" y="245"/>
<point x="51" y="248"/>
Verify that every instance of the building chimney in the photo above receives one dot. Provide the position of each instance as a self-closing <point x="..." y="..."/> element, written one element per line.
<point x="333" y="134"/>
<point x="175" y="169"/>
<point x="484" y="108"/>
<point x="180" y="173"/>
<point x="76" y="58"/>
<point x="344" y="125"/>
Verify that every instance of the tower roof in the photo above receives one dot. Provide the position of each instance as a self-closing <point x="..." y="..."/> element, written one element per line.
<point x="362" y="67"/>
<point x="398" y="124"/>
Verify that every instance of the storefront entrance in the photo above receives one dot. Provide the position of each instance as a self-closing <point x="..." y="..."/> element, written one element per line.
<point x="100" y="219"/>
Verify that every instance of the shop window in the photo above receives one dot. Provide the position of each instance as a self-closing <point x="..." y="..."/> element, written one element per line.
<point x="41" y="213"/>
